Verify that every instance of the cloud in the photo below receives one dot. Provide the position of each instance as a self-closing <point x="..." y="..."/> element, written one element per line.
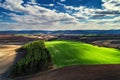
<point x="11" y="5"/>
<point x="113" y="5"/>
<point x="51" y="4"/>
<point x="36" y="17"/>
<point x="33" y="2"/>
<point x="107" y="14"/>
<point x="62" y="0"/>
<point x="44" y="18"/>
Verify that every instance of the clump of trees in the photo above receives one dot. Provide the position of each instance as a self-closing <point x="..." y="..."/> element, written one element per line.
<point x="36" y="59"/>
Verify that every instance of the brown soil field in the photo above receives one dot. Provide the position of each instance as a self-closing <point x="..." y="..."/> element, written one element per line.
<point x="83" y="72"/>
<point x="15" y="40"/>
<point x="111" y="41"/>
<point x="8" y="57"/>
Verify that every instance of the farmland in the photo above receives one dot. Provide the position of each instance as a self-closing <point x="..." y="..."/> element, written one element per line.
<point x="80" y="61"/>
<point x="98" y="55"/>
<point x="66" y="53"/>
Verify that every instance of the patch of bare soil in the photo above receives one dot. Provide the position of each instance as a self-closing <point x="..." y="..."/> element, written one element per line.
<point x="112" y="41"/>
<point x="108" y="43"/>
<point x="8" y="57"/>
<point x="83" y="72"/>
<point x="15" y="40"/>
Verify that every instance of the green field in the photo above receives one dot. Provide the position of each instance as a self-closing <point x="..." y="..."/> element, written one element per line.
<point x="66" y="53"/>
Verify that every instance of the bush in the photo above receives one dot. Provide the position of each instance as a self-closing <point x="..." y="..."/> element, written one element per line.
<point x="36" y="58"/>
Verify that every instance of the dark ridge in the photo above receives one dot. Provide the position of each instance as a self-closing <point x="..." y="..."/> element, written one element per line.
<point x="62" y="32"/>
<point x="80" y="72"/>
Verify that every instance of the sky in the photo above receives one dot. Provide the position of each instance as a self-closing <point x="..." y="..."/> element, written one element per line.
<point x="59" y="15"/>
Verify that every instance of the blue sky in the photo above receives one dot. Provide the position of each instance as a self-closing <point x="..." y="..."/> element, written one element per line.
<point x="59" y="14"/>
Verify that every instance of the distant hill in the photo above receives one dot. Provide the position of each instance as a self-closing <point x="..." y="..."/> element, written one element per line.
<point x="63" y="32"/>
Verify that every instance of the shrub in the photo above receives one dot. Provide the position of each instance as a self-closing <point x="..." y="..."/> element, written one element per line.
<point x="36" y="59"/>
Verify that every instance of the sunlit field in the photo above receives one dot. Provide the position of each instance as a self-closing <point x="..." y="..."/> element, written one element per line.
<point x="66" y="53"/>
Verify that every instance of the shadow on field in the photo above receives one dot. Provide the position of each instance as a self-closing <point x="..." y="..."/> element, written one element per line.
<point x="79" y="72"/>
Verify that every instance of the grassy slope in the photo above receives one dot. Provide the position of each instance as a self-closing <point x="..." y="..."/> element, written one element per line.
<point x="66" y="53"/>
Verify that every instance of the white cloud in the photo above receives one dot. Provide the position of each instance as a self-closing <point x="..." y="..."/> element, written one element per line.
<point x="112" y="5"/>
<point x="62" y="0"/>
<point x="108" y="14"/>
<point x="13" y="5"/>
<point x="32" y="2"/>
<point x="79" y="26"/>
<point x="51" y="4"/>
<point x="37" y="17"/>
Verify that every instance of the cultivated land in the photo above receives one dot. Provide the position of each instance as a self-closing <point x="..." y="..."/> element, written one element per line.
<point x="82" y="72"/>
<point x="67" y="53"/>
<point x="8" y="57"/>
<point x="112" y="41"/>
<point x="62" y="54"/>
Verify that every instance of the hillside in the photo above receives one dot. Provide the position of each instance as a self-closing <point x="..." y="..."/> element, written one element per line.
<point x="67" y="53"/>
<point x="67" y="56"/>
<point x="81" y="72"/>
<point x="80" y="61"/>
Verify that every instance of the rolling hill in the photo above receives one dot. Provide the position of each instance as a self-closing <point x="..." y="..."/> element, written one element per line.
<point x="80" y="61"/>
<point x="67" y="53"/>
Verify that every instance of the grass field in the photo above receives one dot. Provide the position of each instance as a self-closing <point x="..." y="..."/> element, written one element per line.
<point x="66" y="53"/>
